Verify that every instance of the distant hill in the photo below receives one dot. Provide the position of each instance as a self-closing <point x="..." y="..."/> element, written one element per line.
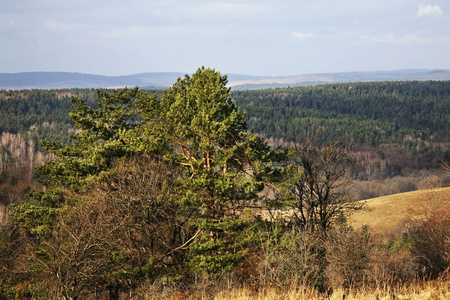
<point x="59" y="80"/>
<point x="325" y="78"/>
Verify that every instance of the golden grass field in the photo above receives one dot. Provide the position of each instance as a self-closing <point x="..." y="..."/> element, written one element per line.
<point x="430" y="290"/>
<point x="393" y="213"/>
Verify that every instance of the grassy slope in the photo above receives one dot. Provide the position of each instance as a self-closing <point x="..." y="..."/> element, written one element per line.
<point x="391" y="213"/>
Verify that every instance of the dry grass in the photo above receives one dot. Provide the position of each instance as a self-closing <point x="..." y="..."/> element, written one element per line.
<point x="431" y="290"/>
<point x="4" y="219"/>
<point x="385" y="214"/>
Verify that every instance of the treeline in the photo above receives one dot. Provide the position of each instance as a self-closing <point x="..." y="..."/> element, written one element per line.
<point x="374" y="117"/>
<point x="167" y="192"/>
<point x="362" y="113"/>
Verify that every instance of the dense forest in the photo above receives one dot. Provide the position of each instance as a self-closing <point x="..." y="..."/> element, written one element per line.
<point x="395" y="128"/>
<point x="362" y="113"/>
<point x="151" y="196"/>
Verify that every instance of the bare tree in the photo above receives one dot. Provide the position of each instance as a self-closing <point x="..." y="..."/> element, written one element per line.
<point x="320" y="194"/>
<point x="124" y="230"/>
<point x="154" y="226"/>
<point x="77" y="257"/>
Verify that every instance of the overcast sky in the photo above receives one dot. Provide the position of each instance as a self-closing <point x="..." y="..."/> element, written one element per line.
<point x="261" y="37"/>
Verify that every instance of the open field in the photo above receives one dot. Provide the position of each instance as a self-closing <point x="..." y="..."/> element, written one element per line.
<point x="390" y="213"/>
<point x="431" y="290"/>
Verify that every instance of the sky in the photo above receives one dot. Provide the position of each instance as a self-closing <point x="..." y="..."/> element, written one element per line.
<point x="252" y="37"/>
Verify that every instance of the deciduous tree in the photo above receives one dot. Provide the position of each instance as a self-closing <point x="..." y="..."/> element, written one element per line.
<point x="320" y="194"/>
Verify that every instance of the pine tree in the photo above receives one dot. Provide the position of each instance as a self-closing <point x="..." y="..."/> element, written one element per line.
<point x="199" y="128"/>
<point x="97" y="144"/>
<point x="82" y="163"/>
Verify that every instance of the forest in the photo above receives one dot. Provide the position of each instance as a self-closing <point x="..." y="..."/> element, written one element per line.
<point x="363" y="113"/>
<point x="398" y="131"/>
<point x="140" y="194"/>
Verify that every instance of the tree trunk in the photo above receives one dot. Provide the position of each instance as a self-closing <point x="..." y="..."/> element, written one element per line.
<point x="114" y="293"/>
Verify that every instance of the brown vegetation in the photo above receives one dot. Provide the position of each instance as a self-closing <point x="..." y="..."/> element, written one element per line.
<point x="397" y="212"/>
<point x="432" y="290"/>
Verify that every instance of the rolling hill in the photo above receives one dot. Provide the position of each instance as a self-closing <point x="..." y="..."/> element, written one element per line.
<point x="387" y="214"/>
<point x="59" y="80"/>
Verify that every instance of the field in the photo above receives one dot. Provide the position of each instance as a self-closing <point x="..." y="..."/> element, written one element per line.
<point x="431" y="290"/>
<point x="384" y="215"/>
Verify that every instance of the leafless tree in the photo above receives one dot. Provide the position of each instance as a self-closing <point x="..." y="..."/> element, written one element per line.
<point x="124" y="230"/>
<point x="320" y="194"/>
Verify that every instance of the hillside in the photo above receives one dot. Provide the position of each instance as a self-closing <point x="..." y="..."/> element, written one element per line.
<point x="387" y="214"/>
<point x="393" y="126"/>
<point x="396" y="127"/>
<point x="63" y="80"/>
<point x="59" y="80"/>
<point x="158" y="193"/>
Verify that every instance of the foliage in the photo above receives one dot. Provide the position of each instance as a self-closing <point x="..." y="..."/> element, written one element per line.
<point x="362" y="113"/>
<point x="96" y="145"/>
<point x="39" y="214"/>
<point x="199" y="128"/>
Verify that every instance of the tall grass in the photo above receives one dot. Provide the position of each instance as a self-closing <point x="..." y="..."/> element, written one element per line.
<point x="419" y="290"/>
<point x="4" y="219"/>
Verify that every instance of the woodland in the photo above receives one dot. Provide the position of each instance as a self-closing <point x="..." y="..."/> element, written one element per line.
<point x="147" y="194"/>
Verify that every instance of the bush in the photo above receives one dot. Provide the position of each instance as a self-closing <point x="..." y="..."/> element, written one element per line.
<point x="431" y="244"/>
<point x="349" y="256"/>
<point x="393" y="262"/>
<point x="295" y="259"/>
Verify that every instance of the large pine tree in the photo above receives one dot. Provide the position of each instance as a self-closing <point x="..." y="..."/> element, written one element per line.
<point x="223" y="165"/>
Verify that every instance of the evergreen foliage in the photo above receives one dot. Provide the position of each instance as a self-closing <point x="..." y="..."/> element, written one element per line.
<point x="96" y="145"/>
<point x="363" y="113"/>
<point x="221" y="162"/>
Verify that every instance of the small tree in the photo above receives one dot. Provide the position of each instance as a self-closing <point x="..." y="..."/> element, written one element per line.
<point x="53" y="216"/>
<point x="115" y="235"/>
<point x="349" y="254"/>
<point x="320" y="195"/>
<point x="154" y="234"/>
<point x="78" y="255"/>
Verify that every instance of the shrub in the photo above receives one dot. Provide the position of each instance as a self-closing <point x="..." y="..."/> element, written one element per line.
<point x="349" y="256"/>
<point x="295" y="259"/>
<point x="431" y="244"/>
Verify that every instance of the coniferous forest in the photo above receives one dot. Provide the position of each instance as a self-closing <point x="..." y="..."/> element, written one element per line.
<point x="198" y="189"/>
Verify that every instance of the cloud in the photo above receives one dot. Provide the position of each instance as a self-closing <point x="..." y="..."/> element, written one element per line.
<point x="60" y="26"/>
<point x="302" y="35"/>
<point x="404" y="39"/>
<point x="429" y="10"/>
